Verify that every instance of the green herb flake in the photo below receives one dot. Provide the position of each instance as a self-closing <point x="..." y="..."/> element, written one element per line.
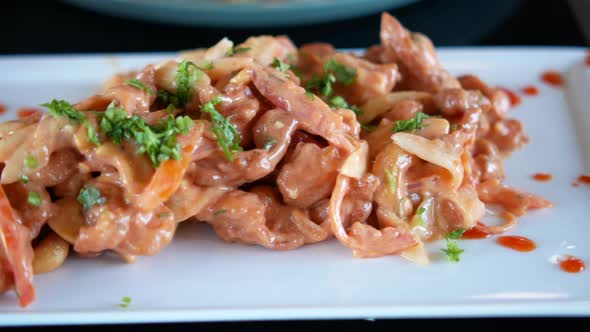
<point x="34" y="199"/>
<point x="453" y="251"/>
<point x="125" y="302"/>
<point x="343" y="74"/>
<point x="391" y="180"/>
<point x="206" y="66"/>
<point x="310" y="95"/>
<point x="280" y="65"/>
<point x="232" y="51"/>
<point x="24" y="179"/>
<point x="340" y="102"/>
<point x="186" y="75"/>
<point x="323" y="84"/>
<point x="333" y="72"/>
<point x="269" y="143"/>
<point x="412" y="124"/>
<point x="90" y="196"/>
<point x="420" y="212"/>
<point x="163" y="215"/>
<point x="140" y="85"/>
<point x="226" y="133"/>
<point x="220" y="211"/>
<point x="158" y="141"/>
<point x="61" y="108"/>
<point x="31" y="162"/>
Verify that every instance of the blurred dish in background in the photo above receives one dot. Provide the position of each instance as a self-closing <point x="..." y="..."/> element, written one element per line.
<point x="240" y="13"/>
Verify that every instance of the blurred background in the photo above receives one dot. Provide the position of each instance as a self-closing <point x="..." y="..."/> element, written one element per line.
<point x="86" y="26"/>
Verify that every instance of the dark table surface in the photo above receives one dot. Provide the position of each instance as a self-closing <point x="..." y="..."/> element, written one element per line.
<point x="38" y="27"/>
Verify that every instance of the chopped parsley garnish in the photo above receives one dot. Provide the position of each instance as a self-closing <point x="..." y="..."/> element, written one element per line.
<point x="34" y="199"/>
<point x="269" y="143"/>
<point x="322" y="84"/>
<point x="90" y="196"/>
<point x="237" y="50"/>
<point x="453" y="252"/>
<point x="228" y="137"/>
<point x="206" y="66"/>
<point x="333" y="72"/>
<point x="412" y="124"/>
<point x="61" y="108"/>
<point x="420" y="212"/>
<point x="140" y="85"/>
<point x="390" y="180"/>
<point x="280" y="65"/>
<point x="31" y="162"/>
<point x="310" y="95"/>
<point x="125" y="302"/>
<point x="186" y="75"/>
<point x="454" y="127"/>
<point x="343" y="74"/>
<point x="163" y="215"/>
<point x="339" y="102"/>
<point x="24" y="179"/>
<point x="158" y="141"/>
<point x="220" y="211"/>
<point x="169" y="99"/>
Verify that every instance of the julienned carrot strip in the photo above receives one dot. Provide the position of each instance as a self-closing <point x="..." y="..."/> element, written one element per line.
<point x="15" y="243"/>
<point x="169" y="174"/>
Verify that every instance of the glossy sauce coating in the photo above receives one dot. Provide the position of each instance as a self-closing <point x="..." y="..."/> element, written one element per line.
<point x="518" y="243"/>
<point x="543" y="177"/>
<point x="572" y="265"/>
<point x="530" y="90"/>
<point x="552" y="77"/>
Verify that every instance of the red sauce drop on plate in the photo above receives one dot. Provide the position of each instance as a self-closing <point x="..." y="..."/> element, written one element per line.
<point x="552" y="77"/>
<point x="585" y="179"/>
<point x="587" y="59"/>
<point x="514" y="98"/>
<point x="2" y="109"/>
<point x="27" y="111"/>
<point x="518" y="243"/>
<point x="543" y="177"/>
<point x="572" y="265"/>
<point x="475" y="234"/>
<point x="530" y="90"/>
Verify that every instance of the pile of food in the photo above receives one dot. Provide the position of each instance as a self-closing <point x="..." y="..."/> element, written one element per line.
<point x="269" y="144"/>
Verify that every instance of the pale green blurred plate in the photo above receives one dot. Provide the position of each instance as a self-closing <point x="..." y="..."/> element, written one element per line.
<point x="253" y="13"/>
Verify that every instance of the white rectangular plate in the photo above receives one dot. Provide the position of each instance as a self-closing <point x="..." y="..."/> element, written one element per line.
<point x="201" y="278"/>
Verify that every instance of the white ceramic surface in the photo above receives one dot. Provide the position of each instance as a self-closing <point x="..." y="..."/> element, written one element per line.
<point x="200" y="278"/>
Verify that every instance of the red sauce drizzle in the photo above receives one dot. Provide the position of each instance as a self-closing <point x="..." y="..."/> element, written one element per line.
<point x="552" y="77"/>
<point x="27" y="111"/>
<point x="518" y="243"/>
<point x="514" y="98"/>
<point x="587" y="59"/>
<point x="572" y="265"/>
<point x="530" y="90"/>
<point x="585" y="179"/>
<point x="543" y="177"/>
<point x="475" y="234"/>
